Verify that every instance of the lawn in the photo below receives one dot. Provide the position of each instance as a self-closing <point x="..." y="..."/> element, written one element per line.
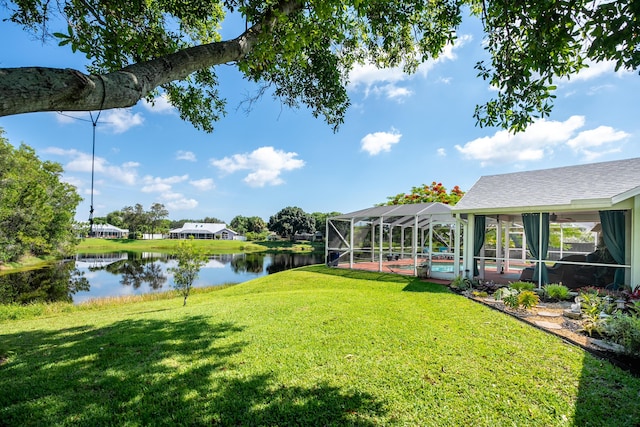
<point x="209" y="246"/>
<point x="311" y="346"/>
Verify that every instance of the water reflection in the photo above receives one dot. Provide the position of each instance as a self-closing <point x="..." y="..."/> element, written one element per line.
<point x="90" y="276"/>
<point x="58" y="282"/>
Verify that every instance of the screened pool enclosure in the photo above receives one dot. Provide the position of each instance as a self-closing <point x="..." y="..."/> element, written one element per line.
<point x="416" y="239"/>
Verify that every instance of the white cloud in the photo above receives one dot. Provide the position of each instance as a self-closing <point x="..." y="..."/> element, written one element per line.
<point x="160" y="105"/>
<point x="540" y="139"/>
<point x="601" y="138"/>
<point x="265" y="164"/>
<point x="185" y="155"/>
<point x="159" y="185"/>
<point x="81" y="162"/>
<point x="180" y="202"/>
<point x="203" y="184"/>
<point x="75" y="181"/>
<point x="375" y="143"/>
<point x="442" y="152"/>
<point x="177" y="201"/>
<point x="395" y="92"/>
<point x="385" y="82"/>
<point x="120" y="120"/>
<point x="594" y="70"/>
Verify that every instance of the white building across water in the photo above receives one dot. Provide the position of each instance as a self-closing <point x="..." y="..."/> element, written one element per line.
<point x="204" y="231"/>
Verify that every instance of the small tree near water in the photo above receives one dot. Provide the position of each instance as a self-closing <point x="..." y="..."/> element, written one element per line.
<point x="190" y="260"/>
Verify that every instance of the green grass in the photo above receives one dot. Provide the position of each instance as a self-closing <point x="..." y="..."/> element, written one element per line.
<point x="165" y="245"/>
<point x="209" y="246"/>
<point x="27" y="262"/>
<point x="312" y="346"/>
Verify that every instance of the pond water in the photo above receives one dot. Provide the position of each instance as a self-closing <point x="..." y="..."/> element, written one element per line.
<point x="130" y="273"/>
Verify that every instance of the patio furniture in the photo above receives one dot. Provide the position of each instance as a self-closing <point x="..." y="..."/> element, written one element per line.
<point x="559" y="273"/>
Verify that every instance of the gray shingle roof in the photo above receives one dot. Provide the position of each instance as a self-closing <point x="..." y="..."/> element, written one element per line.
<point x="601" y="184"/>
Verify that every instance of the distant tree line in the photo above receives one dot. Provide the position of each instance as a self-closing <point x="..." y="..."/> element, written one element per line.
<point x="137" y="220"/>
<point x="286" y="223"/>
<point x="37" y="209"/>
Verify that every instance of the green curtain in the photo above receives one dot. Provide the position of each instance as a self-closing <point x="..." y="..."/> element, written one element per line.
<point x="478" y="240"/>
<point x="532" y="232"/>
<point x="613" y="234"/>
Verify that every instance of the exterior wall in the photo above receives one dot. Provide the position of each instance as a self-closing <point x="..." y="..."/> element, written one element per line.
<point x="108" y="233"/>
<point x="156" y="236"/>
<point x="221" y="235"/>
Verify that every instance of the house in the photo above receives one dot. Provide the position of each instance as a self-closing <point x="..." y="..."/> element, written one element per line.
<point x="606" y="194"/>
<point x="206" y="231"/>
<point x="107" y="231"/>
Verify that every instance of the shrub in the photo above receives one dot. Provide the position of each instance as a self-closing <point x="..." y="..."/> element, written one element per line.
<point x="522" y="286"/>
<point x="625" y="330"/>
<point x="511" y="301"/>
<point x="556" y="292"/>
<point x="503" y="293"/>
<point x="596" y="310"/>
<point x="634" y="307"/>
<point x="480" y="294"/>
<point x="460" y="283"/>
<point x="528" y="299"/>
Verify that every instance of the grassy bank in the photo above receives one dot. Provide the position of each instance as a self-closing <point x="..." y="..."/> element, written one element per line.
<point x="209" y="246"/>
<point x="26" y="263"/>
<point x="312" y="346"/>
<point x="165" y="245"/>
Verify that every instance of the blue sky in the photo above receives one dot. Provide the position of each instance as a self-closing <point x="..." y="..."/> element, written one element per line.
<point x="401" y="131"/>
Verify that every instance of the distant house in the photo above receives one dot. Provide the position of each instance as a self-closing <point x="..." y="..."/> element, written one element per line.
<point x="204" y="231"/>
<point x="107" y="231"/>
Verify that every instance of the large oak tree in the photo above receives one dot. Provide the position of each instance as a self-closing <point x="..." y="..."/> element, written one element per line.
<point x="304" y="50"/>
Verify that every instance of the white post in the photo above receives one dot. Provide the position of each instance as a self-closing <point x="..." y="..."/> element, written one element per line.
<point x="373" y="241"/>
<point x="351" y="240"/>
<point x="380" y="249"/>
<point x="431" y="244"/>
<point x="414" y="244"/>
<point x="507" y="239"/>
<point x="455" y="231"/>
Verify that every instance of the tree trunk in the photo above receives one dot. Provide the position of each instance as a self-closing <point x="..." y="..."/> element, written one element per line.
<point x="33" y="89"/>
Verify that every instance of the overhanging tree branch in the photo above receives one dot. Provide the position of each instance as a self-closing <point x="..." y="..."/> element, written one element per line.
<point x="33" y="89"/>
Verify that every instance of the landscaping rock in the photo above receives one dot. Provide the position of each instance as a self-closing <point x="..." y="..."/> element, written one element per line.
<point x="548" y="325"/>
<point x="548" y="314"/>
<point x="608" y="345"/>
<point x="572" y="314"/>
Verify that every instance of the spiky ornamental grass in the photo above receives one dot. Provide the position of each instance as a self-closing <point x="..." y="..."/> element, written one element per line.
<point x="312" y="346"/>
